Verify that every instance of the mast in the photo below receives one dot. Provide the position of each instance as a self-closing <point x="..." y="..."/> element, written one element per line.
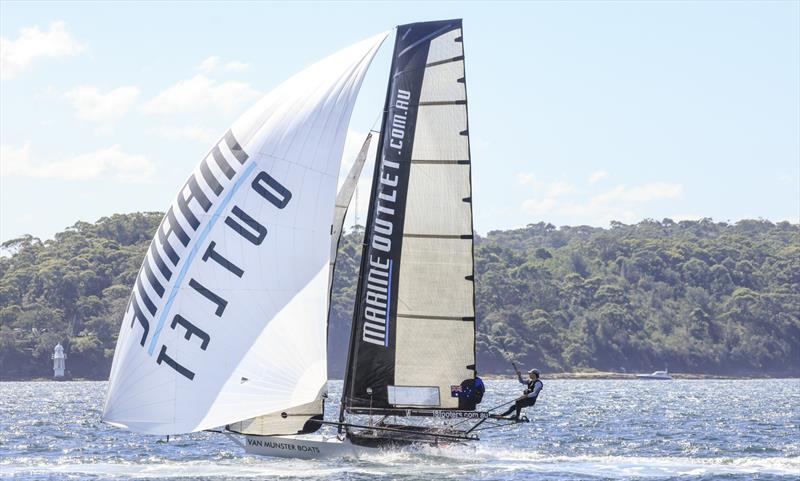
<point x="364" y="246"/>
<point x="413" y="334"/>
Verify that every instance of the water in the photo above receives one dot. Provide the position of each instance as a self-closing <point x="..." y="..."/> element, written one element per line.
<point x="580" y="430"/>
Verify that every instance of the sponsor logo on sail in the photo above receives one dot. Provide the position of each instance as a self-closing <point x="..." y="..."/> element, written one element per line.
<point x="206" y="195"/>
<point x="377" y="295"/>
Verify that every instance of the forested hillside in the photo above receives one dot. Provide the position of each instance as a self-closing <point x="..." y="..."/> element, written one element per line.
<point x="697" y="296"/>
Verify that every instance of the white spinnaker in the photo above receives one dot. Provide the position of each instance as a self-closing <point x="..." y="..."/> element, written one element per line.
<point x="227" y="319"/>
<point x="292" y="421"/>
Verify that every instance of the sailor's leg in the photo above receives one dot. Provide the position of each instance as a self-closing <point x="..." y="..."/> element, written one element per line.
<point x="510" y="410"/>
<point x="524" y="403"/>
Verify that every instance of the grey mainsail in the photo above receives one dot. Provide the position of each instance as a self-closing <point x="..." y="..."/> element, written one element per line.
<point x="413" y="332"/>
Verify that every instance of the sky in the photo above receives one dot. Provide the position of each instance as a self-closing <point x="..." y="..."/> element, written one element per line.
<point x="580" y="112"/>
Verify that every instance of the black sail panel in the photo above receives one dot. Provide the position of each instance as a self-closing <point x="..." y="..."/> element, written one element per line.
<point x="413" y="329"/>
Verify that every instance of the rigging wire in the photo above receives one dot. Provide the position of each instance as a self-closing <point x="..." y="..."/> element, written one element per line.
<point x="374" y="124"/>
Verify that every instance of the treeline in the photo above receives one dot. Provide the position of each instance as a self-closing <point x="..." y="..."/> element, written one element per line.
<point x="697" y="296"/>
<point x="72" y="289"/>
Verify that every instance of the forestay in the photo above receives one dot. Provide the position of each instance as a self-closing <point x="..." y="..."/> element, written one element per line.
<point x="413" y="334"/>
<point x="227" y="319"/>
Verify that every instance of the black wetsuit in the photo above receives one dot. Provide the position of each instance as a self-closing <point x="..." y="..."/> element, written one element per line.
<point x="529" y="400"/>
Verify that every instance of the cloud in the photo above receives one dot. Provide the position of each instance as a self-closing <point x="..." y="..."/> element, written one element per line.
<point x="640" y="193"/>
<point x="201" y="93"/>
<point x="211" y="63"/>
<point x="559" y="188"/>
<point x="622" y="203"/>
<point x="594" y="213"/>
<point x="546" y="200"/>
<point x="190" y="132"/>
<point x="106" y="163"/>
<point x="548" y="189"/>
<point x="13" y="160"/>
<point x="525" y="178"/>
<point x="18" y="55"/>
<point x="208" y="64"/>
<point x="539" y="206"/>
<point x="597" y="176"/>
<point x="236" y="66"/>
<point x="682" y="217"/>
<point x="93" y="105"/>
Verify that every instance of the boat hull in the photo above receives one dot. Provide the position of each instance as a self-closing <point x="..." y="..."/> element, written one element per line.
<point x="302" y="446"/>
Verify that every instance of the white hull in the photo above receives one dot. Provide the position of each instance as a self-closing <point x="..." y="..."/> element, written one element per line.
<point x="656" y="376"/>
<point x="302" y="446"/>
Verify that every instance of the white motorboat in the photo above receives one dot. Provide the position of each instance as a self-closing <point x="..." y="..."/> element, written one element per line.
<point x="656" y="376"/>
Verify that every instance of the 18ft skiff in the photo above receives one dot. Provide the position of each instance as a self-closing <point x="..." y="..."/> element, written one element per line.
<point x="227" y="322"/>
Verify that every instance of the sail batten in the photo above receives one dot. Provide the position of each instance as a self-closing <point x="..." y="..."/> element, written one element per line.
<point x="413" y="334"/>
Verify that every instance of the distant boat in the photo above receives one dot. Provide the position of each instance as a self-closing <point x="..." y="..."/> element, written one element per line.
<point x="656" y="376"/>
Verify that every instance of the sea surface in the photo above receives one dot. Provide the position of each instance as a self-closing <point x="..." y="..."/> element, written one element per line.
<point x="579" y="430"/>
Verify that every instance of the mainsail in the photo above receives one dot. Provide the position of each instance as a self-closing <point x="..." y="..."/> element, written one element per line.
<point x="227" y="318"/>
<point x="413" y="333"/>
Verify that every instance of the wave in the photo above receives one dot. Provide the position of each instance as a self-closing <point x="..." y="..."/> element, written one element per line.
<point x="433" y="463"/>
<point x="618" y="467"/>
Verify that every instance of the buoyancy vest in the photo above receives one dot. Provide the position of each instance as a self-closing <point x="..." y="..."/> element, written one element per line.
<point x="532" y="386"/>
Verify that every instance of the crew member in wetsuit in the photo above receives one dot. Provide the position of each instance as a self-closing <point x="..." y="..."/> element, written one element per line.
<point x="469" y="393"/>
<point x="528" y="398"/>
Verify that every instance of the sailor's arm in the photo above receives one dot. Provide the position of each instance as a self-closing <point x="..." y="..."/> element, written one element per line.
<point x="519" y="374"/>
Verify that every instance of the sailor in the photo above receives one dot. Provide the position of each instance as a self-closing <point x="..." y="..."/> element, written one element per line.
<point x="469" y="393"/>
<point x="528" y="398"/>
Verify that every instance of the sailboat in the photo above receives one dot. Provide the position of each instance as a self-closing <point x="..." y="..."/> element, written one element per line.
<point x="226" y="325"/>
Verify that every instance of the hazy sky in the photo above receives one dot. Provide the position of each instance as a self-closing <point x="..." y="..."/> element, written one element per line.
<point x="580" y="112"/>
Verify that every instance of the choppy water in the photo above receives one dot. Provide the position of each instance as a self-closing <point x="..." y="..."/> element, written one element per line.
<point x="687" y="430"/>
